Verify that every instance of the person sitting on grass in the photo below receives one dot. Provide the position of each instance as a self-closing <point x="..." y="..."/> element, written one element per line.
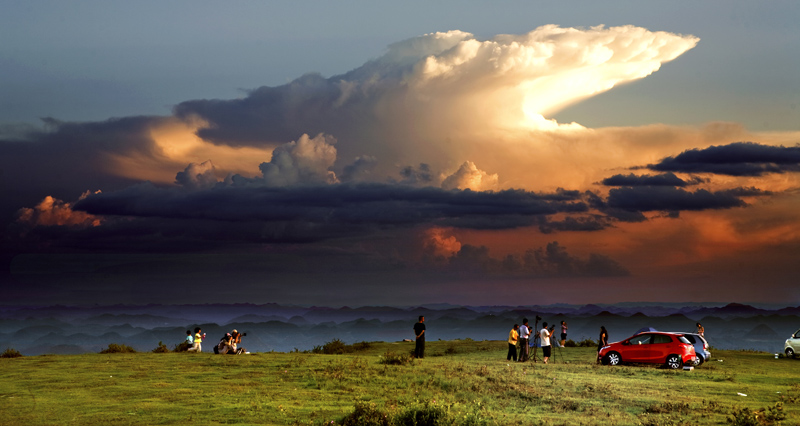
<point x="188" y="343"/>
<point x="225" y="344"/>
<point x="236" y="339"/>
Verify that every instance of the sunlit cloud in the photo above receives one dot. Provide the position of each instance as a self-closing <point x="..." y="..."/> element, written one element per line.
<point x="54" y="212"/>
<point x="468" y="176"/>
<point x="446" y="143"/>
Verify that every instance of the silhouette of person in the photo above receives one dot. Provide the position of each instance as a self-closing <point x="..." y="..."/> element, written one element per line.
<point x="419" y="333"/>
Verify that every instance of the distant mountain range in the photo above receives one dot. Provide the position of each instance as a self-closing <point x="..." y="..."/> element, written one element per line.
<point x="35" y="330"/>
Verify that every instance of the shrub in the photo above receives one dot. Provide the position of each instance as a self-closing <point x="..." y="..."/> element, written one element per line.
<point x="161" y="349"/>
<point x="337" y="347"/>
<point x="585" y="343"/>
<point x="765" y="416"/>
<point x="668" y="407"/>
<point x="361" y="346"/>
<point x="366" y="415"/>
<point x="181" y="347"/>
<point x="10" y="353"/>
<point x="390" y="358"/>
<point x="114" y="348"/>
<point x="426" y="414"/>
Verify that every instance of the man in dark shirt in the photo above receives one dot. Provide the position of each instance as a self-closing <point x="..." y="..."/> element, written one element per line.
<point x="419" y="332"/>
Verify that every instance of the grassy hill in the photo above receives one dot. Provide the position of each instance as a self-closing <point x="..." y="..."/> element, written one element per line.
<point x="459" y="382"/>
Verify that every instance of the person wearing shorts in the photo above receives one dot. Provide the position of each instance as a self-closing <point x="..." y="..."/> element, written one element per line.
<point x="544" y="338"/>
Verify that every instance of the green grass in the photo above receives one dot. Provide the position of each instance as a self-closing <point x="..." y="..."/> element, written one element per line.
<point x="459" y="382"/>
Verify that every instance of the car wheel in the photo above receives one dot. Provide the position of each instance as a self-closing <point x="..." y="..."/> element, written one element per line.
<point x="674" y="362"/>
<point x="789" y="353"/>
<point x="698" y="360"/>
<point x="612" y="358"/>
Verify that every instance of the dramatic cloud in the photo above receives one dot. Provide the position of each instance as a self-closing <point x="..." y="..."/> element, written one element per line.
<point x="552" y="260"/>
<point x="440" y="157"/>
<point x="362" y="204"/>
<point x="468" y="176"/>
<point x="666" y="179"/>
<point x="645" y="199"/>
<point x="53" y="212"/>
<point x="197" y="176"/>
<point x="427" y="98"/>
<point x="736" y="159"/>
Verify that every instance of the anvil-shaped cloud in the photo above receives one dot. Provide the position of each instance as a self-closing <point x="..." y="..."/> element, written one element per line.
<point x="445" y="138"/>
<point x="437" y="98"/>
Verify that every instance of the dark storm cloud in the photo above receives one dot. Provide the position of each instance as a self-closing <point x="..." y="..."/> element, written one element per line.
<point x="736" y="159"/>
<point x="746" y="192"/>
<point x="579" y="223"/>
<point x="666" y="179"/>
<point x="549" y="261"/>
<point x="310" y="104"/>
<point x="653" y="198"/>
<point x="421" y="175"/>
<point x="357" y="204"/>
<point x="66" y="159"/>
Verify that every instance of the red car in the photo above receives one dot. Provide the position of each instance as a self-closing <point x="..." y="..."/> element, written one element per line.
<point x="672" y="350"/>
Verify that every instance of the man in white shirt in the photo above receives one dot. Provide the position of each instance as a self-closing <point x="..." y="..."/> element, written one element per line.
<point x="524" y="335"/>
<point x="544" y="337"/>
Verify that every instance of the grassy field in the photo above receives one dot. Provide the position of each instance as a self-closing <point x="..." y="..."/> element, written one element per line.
<point x="458" y="383"/>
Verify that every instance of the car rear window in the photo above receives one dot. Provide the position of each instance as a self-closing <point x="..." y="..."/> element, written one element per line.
<point x="660" y="338"/>
<point x="690" y="338"/>
<point x="684" y="340"/>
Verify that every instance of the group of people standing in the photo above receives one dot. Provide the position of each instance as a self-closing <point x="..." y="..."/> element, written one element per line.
<point x="520" y="336"/>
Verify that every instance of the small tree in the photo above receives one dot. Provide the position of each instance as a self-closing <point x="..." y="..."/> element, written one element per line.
<point x="10" y="353"/>
<point x="114" y="348"/>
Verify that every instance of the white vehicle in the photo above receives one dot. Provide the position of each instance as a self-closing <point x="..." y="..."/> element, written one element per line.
<point x="792" y="345"/>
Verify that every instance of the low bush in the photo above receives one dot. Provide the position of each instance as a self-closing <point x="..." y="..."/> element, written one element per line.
<point x="366" y="415"/>
<point x="161" y="348"/>
<point x="114" y="348"/>
<point x="337" y="347"/>
<point x="10" y="353"/>
<point x="426" y="414"/>
<point x="764" y="416"/>
<point x="391" y="358"/>
<point x="668" y="407"/>
<point x="585" y="343"/>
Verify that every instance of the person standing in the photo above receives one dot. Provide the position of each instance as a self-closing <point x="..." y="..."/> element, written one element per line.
<point x="563" y="333"/>
<point x="419" y="332"/>
<point x="524" y="335"/>
<point x="198" y="340"/>
<point x="544" y="337"/>
<point x="601" y="341"/>
<point x="700" y="329"/>
<point x="513" y="336"/>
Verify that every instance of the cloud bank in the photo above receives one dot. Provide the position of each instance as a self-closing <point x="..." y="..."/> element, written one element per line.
<point x="439" y="156"/>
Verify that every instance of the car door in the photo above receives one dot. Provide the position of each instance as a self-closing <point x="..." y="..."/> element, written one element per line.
<point x="637" y="349"/>
<point x="661" y="345"/>
<point x="794" y="342"/>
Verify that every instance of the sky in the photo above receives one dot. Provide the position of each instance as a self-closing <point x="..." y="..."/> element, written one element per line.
<point x="399" y="153"/>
